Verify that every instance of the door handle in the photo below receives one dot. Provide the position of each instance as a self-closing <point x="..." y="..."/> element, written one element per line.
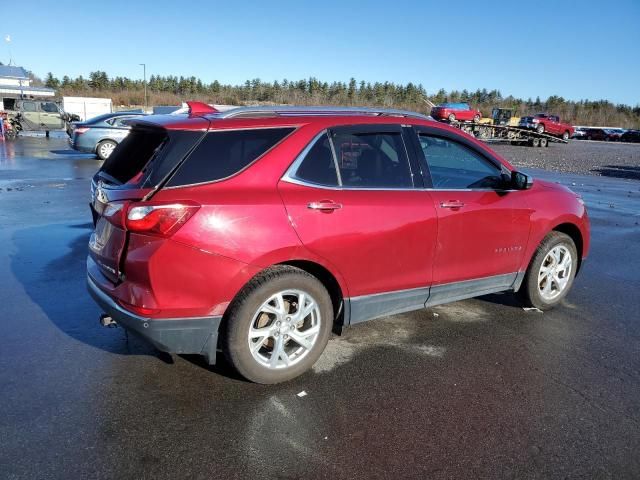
<point x="324" y="205"/>
<point x="452" y="204"/>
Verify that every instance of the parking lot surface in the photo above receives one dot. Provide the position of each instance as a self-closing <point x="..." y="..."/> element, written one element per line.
<point x="474" y="389"/>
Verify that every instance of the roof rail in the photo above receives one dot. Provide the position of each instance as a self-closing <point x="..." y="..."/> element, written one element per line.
<point x="289" y="111"/>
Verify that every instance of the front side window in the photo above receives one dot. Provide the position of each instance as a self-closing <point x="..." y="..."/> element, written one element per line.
<point x="29" y="106"/>
<point x="49" y="107"/>
<point x="318" y="165"/>
<point x="221" y="154"/>
<point x="372" y="160"/>
<point x="454" y="166"/>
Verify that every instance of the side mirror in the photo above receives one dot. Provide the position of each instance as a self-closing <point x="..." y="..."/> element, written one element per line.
<point x="521" y="181"/>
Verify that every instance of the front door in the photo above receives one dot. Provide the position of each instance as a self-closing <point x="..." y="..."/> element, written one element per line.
<point x="352" y="202"/>
<point x="483" y="228"/>
<point x="50" y="118"/>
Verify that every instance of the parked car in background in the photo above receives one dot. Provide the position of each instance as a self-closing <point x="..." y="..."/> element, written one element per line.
<point x="613" y="134"/>
<point x="101" y="134"/>
<point x="549" y="124"/>
<point x="595" y="134"/>
<point x="289" y="222"/>
<point x="579" y="133"/>
<point x="631" y="136"/>
<point x="36" y="115"/>
<point x="452" y="112"/>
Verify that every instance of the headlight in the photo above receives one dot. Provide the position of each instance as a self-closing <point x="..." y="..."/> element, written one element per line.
<point x="535" y="120"/>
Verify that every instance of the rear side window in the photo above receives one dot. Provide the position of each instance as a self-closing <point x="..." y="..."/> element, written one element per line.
<point x="318" y="165"/>
<point x="372" y="160"/>
<point x="221" y="154"/>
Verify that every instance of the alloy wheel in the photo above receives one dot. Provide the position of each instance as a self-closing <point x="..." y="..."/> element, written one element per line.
<point x="106" y="149"/>
<point x="555" y="272"/>
<point x="284" y="329"/>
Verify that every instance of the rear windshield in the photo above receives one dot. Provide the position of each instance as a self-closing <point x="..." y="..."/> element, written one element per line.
<point x="222" y="154"/>
<point x="149" y="155"/>
<point x="133" y="153"/>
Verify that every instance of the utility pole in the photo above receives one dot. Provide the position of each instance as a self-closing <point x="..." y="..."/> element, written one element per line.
<point x="144" y="73"/>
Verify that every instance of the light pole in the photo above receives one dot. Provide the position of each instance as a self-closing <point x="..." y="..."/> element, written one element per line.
<point x="144" y="73"/>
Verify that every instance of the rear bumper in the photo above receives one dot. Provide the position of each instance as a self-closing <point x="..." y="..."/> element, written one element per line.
<point x="174" y="335"/>
<point x="82" y="146"/>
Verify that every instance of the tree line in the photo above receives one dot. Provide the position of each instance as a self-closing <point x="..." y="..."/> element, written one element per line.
<point x="171" y="90"/>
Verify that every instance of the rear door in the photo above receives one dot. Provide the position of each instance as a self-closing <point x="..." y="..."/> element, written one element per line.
<point x="351" y="198"/>
<point x="483" y="229"/>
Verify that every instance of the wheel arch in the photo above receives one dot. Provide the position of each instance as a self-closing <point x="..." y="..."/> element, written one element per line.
<point x="574" y="232"/>
<point x="330" y="282"/>
<point x="338" y="294"/>
<point x="104" y="139"/>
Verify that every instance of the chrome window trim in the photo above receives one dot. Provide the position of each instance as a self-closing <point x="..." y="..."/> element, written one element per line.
<point x="290" y="177"/>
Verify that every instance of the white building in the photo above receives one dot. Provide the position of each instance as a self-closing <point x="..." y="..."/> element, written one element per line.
<point x="15" y="83"/>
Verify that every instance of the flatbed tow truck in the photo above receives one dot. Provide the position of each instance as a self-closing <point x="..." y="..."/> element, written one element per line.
<point x="506" y="133"/>
<point x="500" y="128"/>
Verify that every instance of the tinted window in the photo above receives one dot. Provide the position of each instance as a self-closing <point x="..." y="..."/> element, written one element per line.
<point x="222" y="154"/>
<point x="133" y="153"/>
<point x="49" y="107"/>
<point x="453" y="165"/>
<point x="29" y="106"/>
<point x="318" y="165"/>
<point x="118" y="121"/>
<point x="372" y="160"/>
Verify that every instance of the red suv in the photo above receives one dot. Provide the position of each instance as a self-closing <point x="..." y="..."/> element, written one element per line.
<point x="259" y="230"/>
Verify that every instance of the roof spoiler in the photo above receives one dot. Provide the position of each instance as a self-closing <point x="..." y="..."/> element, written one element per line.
<point x="200" y="108"/>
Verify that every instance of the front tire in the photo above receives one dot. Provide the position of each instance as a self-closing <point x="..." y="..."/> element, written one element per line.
<point x="565" y="136"/>
<point x="278" y="326"/>
<point x="551" y="272"/>
<point x="540" y="129"/>
<point x="452" y="117"/>
<point x="105" y="149"/>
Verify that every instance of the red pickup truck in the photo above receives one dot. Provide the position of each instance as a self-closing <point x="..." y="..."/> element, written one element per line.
<point x="549" y="124"/>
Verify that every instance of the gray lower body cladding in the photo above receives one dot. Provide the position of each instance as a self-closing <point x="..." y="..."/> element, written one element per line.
<point x="368" y="307"/>
<point x="176" y="335"/>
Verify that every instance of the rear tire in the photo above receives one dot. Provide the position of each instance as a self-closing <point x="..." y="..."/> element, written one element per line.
<point x="544" y="142"/>
<point x="476" y="118"/>
<point x="551" y="272"/>
<point x="535" y="142"/>
<point x="266" y="321"/>
<point x="105" y="148"/>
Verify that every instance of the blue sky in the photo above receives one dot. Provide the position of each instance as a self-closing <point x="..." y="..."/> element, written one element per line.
<point x="587" y="49"/>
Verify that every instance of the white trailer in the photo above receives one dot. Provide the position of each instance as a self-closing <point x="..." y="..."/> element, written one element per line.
<point x="86" y="107"/>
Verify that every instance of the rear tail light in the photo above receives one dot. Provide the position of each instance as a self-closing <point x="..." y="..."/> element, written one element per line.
<point x="139" y="310"/>
<point x="80" y="130"/>
<point x="114" y="213"/>
<point x="159" y="219"/>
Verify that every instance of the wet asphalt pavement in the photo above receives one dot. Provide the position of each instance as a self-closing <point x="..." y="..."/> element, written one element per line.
<point x="475" y="389"/>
